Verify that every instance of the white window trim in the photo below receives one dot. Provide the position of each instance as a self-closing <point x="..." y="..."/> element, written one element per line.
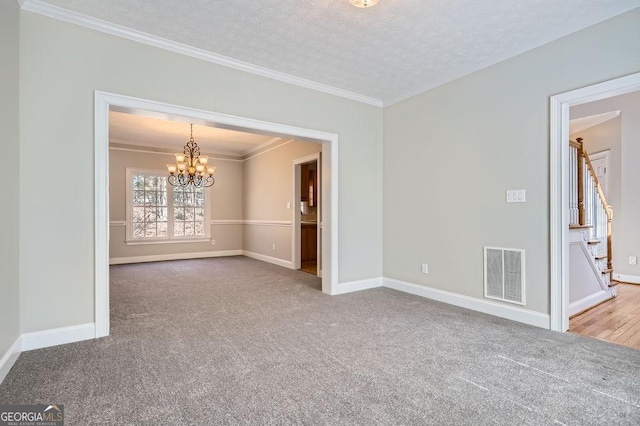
<point x="169" y="239"/>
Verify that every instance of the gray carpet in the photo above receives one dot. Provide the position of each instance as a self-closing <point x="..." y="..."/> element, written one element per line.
<point x="238" y="341"/>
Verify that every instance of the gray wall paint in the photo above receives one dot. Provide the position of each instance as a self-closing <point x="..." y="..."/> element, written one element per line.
<point x="63" y="64"/>
<point x="268" y="186"/>
<point x="225" y="197"/>
<point x="452" y="152"/>
<point x="626" y="204"/>
<point x="9" y="213"/>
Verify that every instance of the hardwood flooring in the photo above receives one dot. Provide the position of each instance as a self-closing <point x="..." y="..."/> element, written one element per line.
<point x="616" y="320"/>
<point x="310" y="266"/>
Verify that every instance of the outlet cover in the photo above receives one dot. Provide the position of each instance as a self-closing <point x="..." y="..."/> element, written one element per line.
<point x="516" y="196"/>
<point x="633" y="260"/>
<point x="425" y="268"/>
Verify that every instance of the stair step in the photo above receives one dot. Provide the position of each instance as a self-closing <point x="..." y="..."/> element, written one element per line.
<point x="607" y="271"/>
<point x="614" y="283"/>
<point x="601" y="257"/>
<point x="593" y="242"/>
<point x="576" y="226"/>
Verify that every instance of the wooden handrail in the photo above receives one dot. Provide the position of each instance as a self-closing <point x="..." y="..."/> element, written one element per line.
<point x="603" y="199"/>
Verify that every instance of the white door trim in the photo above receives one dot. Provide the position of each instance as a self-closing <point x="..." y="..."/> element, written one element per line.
<point x="104" y="101"/>
<point x="559" y="180"/>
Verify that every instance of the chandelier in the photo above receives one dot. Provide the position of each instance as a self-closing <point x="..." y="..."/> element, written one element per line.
<point x="191" y="168"/>
<point x="363" y="3"/>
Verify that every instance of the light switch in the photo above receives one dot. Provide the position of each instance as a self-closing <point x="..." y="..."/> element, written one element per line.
<point x="516" y="196"/>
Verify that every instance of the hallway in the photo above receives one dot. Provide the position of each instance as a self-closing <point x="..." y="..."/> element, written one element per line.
<point x="616" y="320"/>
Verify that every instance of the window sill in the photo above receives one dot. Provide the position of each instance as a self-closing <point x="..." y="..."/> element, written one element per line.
<point x="174" y="241"/>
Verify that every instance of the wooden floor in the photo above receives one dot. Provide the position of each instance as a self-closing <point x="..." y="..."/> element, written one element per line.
<point x="616" y="320"/>
<point x="310" y="266"/>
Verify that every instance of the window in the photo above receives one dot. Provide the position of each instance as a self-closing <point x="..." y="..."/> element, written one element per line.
<point x="160" y="212"/>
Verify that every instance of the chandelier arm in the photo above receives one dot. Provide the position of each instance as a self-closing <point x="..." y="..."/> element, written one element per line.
<point x="191" y="176"/>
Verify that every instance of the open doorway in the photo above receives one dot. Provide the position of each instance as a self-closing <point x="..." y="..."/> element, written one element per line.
<point x="277" y="134"/>
<point x="307" y="193"/>
<point x="607" y="132"/>
<point x="564" y="207"/>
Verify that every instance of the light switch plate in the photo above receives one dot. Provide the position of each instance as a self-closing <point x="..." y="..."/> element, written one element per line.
<point x="516" y="196"/>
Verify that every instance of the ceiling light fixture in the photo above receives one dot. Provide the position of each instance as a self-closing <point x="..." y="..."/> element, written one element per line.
<point x="191" y="168"/>
<point x="363" y="3"/>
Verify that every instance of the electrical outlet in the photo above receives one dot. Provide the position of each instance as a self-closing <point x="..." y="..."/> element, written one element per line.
<point x="288" y="205"/>
<point x="213" y="242"/>
<point x="274" y="246"/>
<point x="425" y="268"/>
<point x="633" y="260"/>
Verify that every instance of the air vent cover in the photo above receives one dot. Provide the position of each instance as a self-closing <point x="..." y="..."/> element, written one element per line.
<point x="504" y="274"/>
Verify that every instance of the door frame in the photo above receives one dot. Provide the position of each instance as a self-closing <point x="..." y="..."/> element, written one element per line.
<point x="297" y="217"/>
<point x="105" y="101"/>
<point x="559" y="184"/>
<point x="605" y="154"/>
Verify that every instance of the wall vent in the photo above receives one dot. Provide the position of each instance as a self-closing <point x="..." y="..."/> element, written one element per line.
<point x="504" y="274"/>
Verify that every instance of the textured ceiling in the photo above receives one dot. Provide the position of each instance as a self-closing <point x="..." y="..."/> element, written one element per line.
<point x="140" y="130"/>
<point x="391" y="51"/>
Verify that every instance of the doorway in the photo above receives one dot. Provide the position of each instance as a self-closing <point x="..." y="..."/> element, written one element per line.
<point x="105" y="102"/>
<point x="559" y="189"/>
<point x="307" y="221"/>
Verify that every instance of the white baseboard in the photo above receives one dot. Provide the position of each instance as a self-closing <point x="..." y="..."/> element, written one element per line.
<point x="58" y="336"/>
<point x="352" y="286"/>
<point x="633" y="279"/>
<point x="588" y="302"/>
<point x="9" y="358"/>
<point x="176" y="256"/>
<point x="280" y="262"/>
<point x="488" y="307"/>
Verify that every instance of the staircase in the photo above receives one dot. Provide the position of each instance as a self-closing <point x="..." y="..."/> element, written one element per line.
<point x="590" y="216"/>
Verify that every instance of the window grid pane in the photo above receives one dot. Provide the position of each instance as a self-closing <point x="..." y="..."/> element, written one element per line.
<point x="149" y="214"/>
<point x="188" y="212"/>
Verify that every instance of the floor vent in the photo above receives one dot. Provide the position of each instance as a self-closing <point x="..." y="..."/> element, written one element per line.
<point x="504" y="274"/>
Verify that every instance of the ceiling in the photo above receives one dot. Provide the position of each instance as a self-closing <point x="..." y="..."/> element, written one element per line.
<point x="583" y="123"/>
<point x="388" y="52"/>
<point x="169" y="135"/>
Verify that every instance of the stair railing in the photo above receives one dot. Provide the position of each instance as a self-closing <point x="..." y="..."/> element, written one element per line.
<point x="587" y="203"/>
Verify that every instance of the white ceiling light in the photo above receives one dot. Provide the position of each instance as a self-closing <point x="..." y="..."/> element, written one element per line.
<point x="363" y="3"/>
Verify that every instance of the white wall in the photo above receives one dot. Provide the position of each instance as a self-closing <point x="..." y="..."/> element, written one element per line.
<point x="63" y="64"/>
<point x="268" y="186"/>
<point x="225" y="198"/>
<point x="9" y="213"/>
<point x="452" y="152"/>
<point x="626" y="204"/>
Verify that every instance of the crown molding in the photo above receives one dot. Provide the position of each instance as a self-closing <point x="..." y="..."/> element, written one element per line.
<point x="135" y="148"/>
<point x="263" y="145"/>
<point x="42" y="8"/>
<point x="577" y="125"/>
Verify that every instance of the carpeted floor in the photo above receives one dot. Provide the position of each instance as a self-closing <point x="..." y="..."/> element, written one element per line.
<point x="238" y="341"/>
